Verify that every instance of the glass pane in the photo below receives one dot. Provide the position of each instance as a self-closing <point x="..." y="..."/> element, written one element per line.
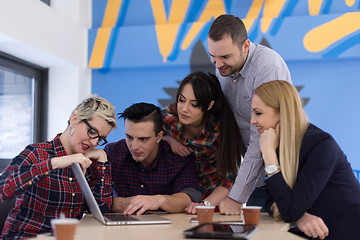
<point x="16" y="112"/>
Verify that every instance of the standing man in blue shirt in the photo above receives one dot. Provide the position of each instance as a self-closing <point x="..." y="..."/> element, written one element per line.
<point x="241" y="67"/>
<point x="147" y="175"/>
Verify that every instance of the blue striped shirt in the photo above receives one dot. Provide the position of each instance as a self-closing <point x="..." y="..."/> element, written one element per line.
<point x="262" y="65"/>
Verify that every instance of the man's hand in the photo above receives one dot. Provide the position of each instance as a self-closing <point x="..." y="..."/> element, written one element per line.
<point x="312" y="226"/>
<point x="120" y="203"/>
<point x="229" y="206"/>
<point x="191" y="208"/>
<point x="141" y="203"/>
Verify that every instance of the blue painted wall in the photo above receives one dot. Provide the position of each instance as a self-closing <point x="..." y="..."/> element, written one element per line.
<point x="319" y="40"/>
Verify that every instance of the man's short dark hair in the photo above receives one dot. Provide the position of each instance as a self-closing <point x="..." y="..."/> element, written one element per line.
<point x="231" y="25"/>
<point x="143" y="112"/>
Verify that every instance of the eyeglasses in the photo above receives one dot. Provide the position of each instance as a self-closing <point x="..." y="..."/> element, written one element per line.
<point x="93" y="133"/>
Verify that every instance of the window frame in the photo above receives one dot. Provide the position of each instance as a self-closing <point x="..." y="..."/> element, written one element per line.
<point x="41" y="84"/>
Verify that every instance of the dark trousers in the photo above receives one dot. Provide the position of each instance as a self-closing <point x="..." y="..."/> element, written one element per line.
<point x="258" y="198"/>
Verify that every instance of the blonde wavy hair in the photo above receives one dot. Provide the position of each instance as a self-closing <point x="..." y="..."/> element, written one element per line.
<point x="93" y="107"/>
<point x="284" y="98"/>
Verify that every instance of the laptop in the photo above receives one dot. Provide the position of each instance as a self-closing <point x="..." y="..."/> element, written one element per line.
<point x="111" y="218"/>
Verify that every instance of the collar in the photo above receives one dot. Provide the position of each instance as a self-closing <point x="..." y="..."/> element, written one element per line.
<point x="58" y="146"/>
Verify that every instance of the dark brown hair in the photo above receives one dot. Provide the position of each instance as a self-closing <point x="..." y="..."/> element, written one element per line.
<point x="228" y="25"/>
<point x="207" y="88"/>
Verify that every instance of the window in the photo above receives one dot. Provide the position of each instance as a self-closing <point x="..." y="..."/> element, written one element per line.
<point x="23" y="94"/>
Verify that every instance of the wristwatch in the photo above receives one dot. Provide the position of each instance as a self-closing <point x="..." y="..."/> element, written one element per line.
<point x="271" y="168"/>
<point x="206" y="203"/>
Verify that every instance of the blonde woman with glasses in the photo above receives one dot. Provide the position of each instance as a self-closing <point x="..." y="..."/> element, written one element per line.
<point x="41" y="179"/>
<point x="310" y="180"/>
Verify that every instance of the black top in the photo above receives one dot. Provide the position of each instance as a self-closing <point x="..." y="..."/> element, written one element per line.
<point x="326" y="187"/>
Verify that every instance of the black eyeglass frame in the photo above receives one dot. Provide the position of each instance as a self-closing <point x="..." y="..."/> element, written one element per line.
<point x="102" y="141"/>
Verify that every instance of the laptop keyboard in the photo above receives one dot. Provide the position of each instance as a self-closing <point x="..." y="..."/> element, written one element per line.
<point x="114" y="217"/>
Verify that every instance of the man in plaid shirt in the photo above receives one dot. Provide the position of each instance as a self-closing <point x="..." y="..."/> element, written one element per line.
<point x="147" y="175"/>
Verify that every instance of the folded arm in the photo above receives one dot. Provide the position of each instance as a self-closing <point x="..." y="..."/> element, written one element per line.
<point x="177" y="147"/>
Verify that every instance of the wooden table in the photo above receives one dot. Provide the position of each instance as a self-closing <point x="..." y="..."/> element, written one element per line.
<point x="90" y="229"/>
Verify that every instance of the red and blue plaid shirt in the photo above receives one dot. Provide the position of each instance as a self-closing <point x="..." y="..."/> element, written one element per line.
<point x="204" y="148"/>
<point x="168" y="174"/>
<point x="42" y="193"/>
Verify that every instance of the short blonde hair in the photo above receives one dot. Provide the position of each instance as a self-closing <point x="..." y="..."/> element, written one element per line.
<point x="93" y="107"/>
<point x="284" y="98"/>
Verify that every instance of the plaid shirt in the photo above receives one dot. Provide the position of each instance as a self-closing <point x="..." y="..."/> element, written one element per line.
<point x="42" y="193"/>
<point x="168" y="174"/>
<point x="204" y="145"/>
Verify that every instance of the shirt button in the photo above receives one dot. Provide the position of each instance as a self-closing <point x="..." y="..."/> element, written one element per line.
<point x="30" y="182"/>
<point x="46" y="173"/>
<point x="102" y="179"/>
<point x="70" y="179"/>
<point x="71" y="210"/>
<point x="73" y="194"/>
<point x="142" y="186"/>
<point x="104" y="168"/>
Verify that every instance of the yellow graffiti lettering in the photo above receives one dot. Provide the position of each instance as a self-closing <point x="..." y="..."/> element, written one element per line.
<point x="167" y="30"/>
<point x="314" y="6"/>
<point x="213" y="8"/>
<point x="104" y="33"/>
<point x="323" y="36"/>
<point x="253" y="13"/>
<point x="272" y="10"/>
<point x="350" y="3"/>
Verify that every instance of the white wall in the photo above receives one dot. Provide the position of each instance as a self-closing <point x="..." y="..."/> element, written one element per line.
<point x="52" y="37"/>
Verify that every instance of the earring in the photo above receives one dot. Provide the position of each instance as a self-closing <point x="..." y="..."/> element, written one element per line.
<point x="71" y="131"/>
